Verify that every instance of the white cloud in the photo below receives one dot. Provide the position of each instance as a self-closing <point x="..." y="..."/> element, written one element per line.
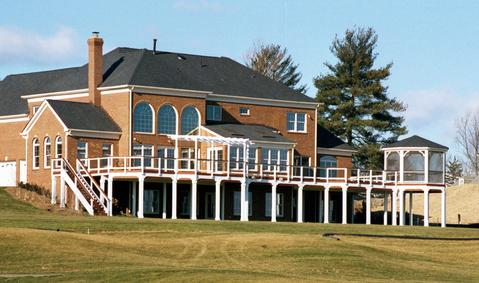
<point x="433" y="113"/>
<point x="198" y="6"/>
<point x="19" y="46"/>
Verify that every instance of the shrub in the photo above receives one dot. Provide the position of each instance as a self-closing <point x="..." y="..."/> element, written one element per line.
<point x="35" y="188"/>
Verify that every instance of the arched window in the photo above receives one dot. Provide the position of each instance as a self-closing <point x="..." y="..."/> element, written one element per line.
<point x="189" y="120"/>
<point x="414" y="166"/>
<point x="47" y="152"/>
<point x="143" y="118"/>
<point x="167" y="120"/>
<point x="392" y="162"/>
<point x="327" y="161"/>
<point x="36" y="153"/>
<point x="58" y="147"/>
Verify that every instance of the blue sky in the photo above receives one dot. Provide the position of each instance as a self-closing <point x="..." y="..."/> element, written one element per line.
<point x="434" y="45"/>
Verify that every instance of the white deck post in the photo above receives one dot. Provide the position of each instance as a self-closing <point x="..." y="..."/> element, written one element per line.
<point x="54" y="190"/>
<point x="273" y="201"/>
<point x="394" y="207"/>
<point x="217" y="200"/>
<point x="102" y="186"/>
<point x="385" y="214"/>
<point x="345" y="205"/>
<point x="411" y="215"/>
<point x="244" y="201"/>
<point x="426" y="207"/>
<point x="300" y="203"/>
<point x="443" y="207"/>
<point x="174" y="191"/>
<point x="194" y="196"/>
<point x="110" y="196"/>
<point x="77" y="203"/>
<point x="141" y="194"/>
<point x="320" y="208"/>
<point x="401" y="207"/>
<point x="326" y="205"/>
<point x="133" y="197"/>
<point x="368" y="205"/>
<point x="62" y="191"/>
<point x="163" y="214"/>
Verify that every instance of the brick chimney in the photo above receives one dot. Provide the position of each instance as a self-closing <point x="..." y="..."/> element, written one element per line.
<point x="95" y="67"/>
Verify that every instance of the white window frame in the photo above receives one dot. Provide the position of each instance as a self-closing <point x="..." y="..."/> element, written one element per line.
<point x="35" y="144"/>
<point x="212" y="113"/>
<point x="86" y="149"/>
<point x="35" y="109"/>
<point x="47" y="158"/>
<point x="165" y="156"/>
<point x="279" y="205"/>
<point x="142" y="151"/>
<point x="190" y="155"/>
<point x="242" y="113"/>
<point x="269" y="165"/>
<point x="295" y="122"/>
<point x="58" y="138"/>
<point x="153" y="118"/>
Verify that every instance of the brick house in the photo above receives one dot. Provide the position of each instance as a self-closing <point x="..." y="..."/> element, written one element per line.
<point x="172" y="135"/>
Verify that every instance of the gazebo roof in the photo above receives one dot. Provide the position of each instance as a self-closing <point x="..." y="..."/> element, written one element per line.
<point x="415" y="141"/>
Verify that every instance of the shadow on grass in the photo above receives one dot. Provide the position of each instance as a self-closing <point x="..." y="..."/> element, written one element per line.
<point x="336" y="236"/>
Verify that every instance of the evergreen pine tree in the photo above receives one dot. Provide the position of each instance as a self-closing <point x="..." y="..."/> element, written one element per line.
<point x="356" y="106"/>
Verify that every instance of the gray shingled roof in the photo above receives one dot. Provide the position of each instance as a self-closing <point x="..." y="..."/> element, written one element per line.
<point x="122" y="66"/>
<point x="252" y="132"/>
<point x="326" y="139"/>
<point x="416" y="141"/>
<point x="83" y="116"/>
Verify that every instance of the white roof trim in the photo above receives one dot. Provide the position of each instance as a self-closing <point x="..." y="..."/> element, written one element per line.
<point x="37" y="115"/>
<point x="14" y="118"/>
<point x="65" y="92"/>
<point x="222" y="140"/>
<point x="410" y="148"/>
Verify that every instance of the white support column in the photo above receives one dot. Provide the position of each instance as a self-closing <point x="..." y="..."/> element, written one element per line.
<point x="273" y="201"/>
<point x="62" y="191"/>
<point x="345" y="205"/>
<point x="326" y="205"/>
<point x="102" y="186"/>
<point x="368" y="205"/>
<point x="443" y="207"/>
<point x="426" y="166"/>
<point x="141" y="195"/>
<point x="217" y="200"/>
<point x="300" y="203"/>
<point x="134" y="197"/>
<point x="174" y="191"/>
<point x="321" y="207"/>
<point x="77" y="203"/>
<point x="401" y="166"/>
<point x="163" y="214"/>
<point x="394" y="207"/>
<point x="110" y="196"/>
<point x="223" y="202"/>
<point x="194" y="196"/>
<point x="411" y="214"/>
<point x="426" y="207"/>
<point x="54" y="190"/>
<point x="244" y="201"/>
<point x="385" y="214"/>
<point x="401" y="208"/>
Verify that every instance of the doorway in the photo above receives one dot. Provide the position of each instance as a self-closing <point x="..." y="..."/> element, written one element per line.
<point x="209" y="205"/>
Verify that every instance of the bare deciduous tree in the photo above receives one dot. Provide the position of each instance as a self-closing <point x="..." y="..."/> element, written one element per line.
<point x="468" y="139"/>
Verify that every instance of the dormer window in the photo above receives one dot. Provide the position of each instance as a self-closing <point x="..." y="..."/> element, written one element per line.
<point x="213" y="113"/>
<point x="244" y="111"/>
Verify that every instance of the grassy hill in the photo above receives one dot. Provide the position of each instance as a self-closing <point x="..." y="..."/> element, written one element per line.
<point x="37" y="245"/>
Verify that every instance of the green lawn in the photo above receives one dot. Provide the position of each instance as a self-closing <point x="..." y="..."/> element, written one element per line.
<point x="129" y="249"/>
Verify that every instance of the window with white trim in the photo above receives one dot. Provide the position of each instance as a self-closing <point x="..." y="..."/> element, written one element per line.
<point x="167" y="155"/>
<point x="244" y="111"/>
<point x="190" y="120"/>
<point x="327" y="161"/>
<point x="213" y="113"/>
<point x="236" y="157"/>
<point x="145" y="150"/>
<point x="143" y="118"/>
<point x="106" y="151"/>
<point x="237" y="203"/>
<point x="296" y="122"/>
<point x="279" y="205"/>
<point x="36" y="153"/>
<point x="167" y="120"/>
<point x="58" y="147"/>
<point x="274" y="156"/>
<point x="188" y="153"/>
<point x="35" y="109"/>
<point x="47" y="152"/>
<point x="82" y="150"/>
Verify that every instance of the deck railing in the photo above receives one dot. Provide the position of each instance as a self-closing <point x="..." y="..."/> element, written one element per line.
<point x="209" y="167"/>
